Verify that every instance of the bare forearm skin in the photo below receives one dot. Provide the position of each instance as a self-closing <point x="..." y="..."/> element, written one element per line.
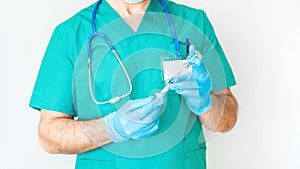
<point x="222" y="115"/>
<point x="61" y="134"/>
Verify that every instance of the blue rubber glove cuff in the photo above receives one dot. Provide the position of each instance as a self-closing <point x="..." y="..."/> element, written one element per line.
<point x="112" y="131"/>
<point x="197" y="109"/>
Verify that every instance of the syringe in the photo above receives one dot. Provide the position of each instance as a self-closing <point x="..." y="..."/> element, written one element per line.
<point x="162" y="93"/>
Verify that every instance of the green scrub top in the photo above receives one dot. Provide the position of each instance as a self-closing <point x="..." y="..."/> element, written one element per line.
<point x="179" y="143"/>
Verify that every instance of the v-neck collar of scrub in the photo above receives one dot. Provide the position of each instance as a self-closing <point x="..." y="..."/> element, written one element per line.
<point x="107" y="10"/>
<point x="155" y="6"/>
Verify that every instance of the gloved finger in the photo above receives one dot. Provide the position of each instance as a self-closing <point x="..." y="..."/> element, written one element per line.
<point x="200" y="90"/>
<point x="185" y="85"/>
<point x="138" y="103"/>
<point x="183" y="77"/>
<point x="149" y="109"/>
<point x="191" y="50"/>
<point x="134" y="104"/>
<point x="127" y="128"/>
<point x="153" y="115"/>
<point x="145" y="112"/>
<point x="199" y="105"/>
<point x="204" y="82"/>
<point x="194" y="93"/>
<point x="194" y="57"/>
<point x="199" y="70"/>
<point x="146" y="131"/>
<point x="194" y="60"/>
<point x="130" y="110"/>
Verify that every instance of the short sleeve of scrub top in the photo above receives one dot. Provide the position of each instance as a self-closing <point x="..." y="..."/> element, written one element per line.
<point x="53" y="87"/>
<point x="215" y="59"/>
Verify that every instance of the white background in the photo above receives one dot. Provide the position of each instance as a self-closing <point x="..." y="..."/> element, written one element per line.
<point x="260" y="38"/>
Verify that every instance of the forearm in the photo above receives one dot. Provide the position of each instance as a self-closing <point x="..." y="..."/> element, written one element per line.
<point x="68" y="136"/>
<point x="222" y="115"/>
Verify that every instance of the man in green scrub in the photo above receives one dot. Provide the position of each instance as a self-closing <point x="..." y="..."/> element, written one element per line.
<point x="101" y="136"/>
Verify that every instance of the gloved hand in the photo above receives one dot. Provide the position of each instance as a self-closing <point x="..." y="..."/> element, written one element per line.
<point x="135" y="119"/>
<point x="196" y="86"/>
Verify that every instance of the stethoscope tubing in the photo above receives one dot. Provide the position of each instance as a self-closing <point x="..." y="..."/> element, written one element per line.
<point x="109" y="44"/>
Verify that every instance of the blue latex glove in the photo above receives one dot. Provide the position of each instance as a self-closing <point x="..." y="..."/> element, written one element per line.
<point x="135" y="119"/>
<point x="196" y="86"/>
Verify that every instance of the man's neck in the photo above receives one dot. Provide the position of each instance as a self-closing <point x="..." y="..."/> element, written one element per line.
<point x="126" y="9"/>
<point x="131" y="13"/>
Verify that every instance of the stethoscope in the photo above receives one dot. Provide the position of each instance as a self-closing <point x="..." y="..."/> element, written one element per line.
<point x="112" y="49"/>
